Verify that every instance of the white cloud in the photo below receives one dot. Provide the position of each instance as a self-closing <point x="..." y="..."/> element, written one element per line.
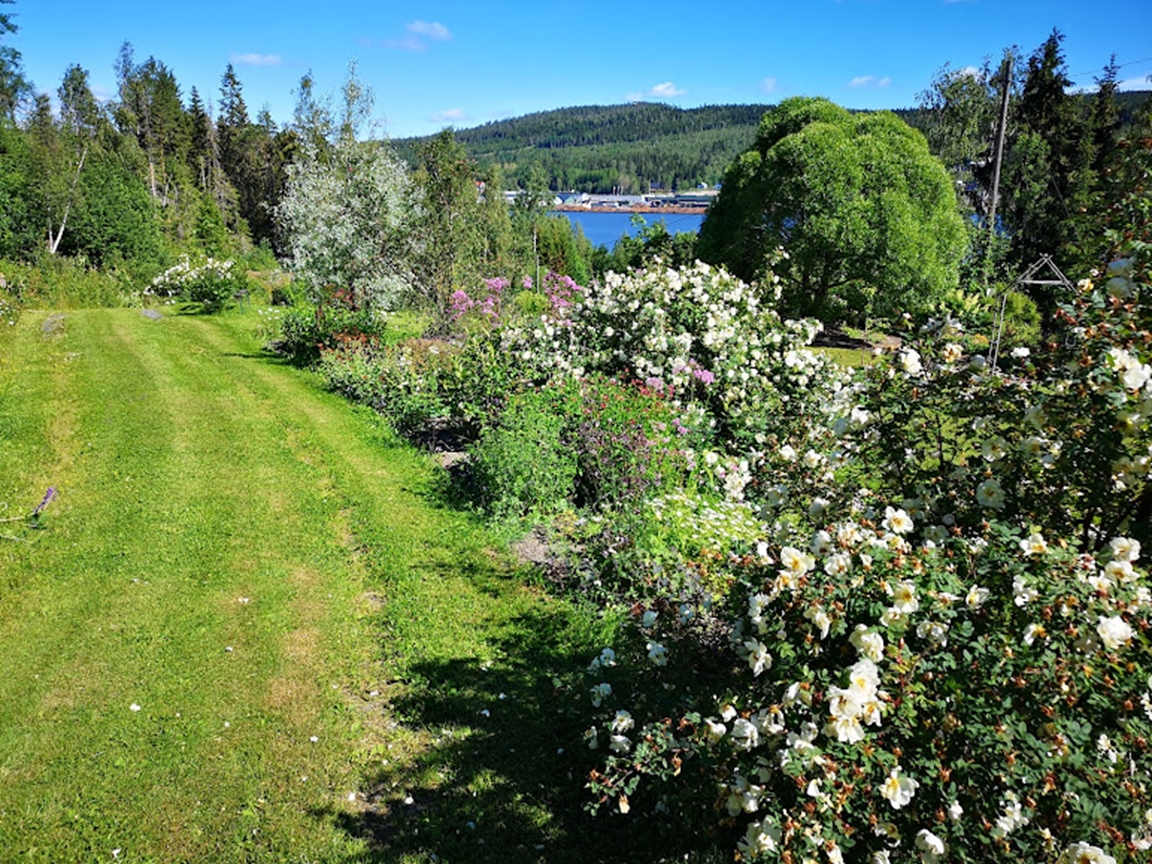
<point x="434" y="30"/>
<point x="418" y="34"/>
<point x="666" y="90"/>
<point x="869" y="81"/>
<point x="768" y="85"/>
<point x="968" y="72"/>
<point x="1143" y="82"/>
<point x="451" y="115"/>
<point x="253" y="59"/>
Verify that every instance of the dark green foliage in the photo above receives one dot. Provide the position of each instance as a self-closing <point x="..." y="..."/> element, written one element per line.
<point x="18" y="236"/>
<point x="116" y="217"/>
<point x="652" y="246"/>
<point x="563" y="248"/>
<point x="452" y="232"/>
<point x="14" y="87"/>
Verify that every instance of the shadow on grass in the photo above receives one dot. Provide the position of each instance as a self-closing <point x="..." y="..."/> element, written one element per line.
<point x="508" y="785"/>
<point x="269" y="357"/>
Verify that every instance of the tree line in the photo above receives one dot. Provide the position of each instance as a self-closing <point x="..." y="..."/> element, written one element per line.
<point x="151" y="173"/>
<point x="605" y="148"/>
<point x="878" y="220"/>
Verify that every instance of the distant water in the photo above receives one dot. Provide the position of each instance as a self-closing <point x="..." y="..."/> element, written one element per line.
<point x="604" y="229"/>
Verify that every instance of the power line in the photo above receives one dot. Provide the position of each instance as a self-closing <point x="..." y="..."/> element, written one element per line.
<point x="1105" y="68"/>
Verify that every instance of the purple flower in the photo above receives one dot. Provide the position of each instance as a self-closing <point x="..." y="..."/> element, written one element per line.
<point x="704" y="375"/>
<point x="497" y="284"/>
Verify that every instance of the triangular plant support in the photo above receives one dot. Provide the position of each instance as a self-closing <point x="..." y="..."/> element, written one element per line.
<point x="1031" y="276"/>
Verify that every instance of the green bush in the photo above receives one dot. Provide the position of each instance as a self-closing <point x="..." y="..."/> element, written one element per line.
<point x="628" y="446"/>
<point x="524" y="464"/>
<point x="403" y="381"/>
<point x="306" y="330"/>
<point x="57" y="282"/>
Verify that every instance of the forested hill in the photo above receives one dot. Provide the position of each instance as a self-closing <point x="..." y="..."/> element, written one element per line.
<point x="598" y="148"/>
<point x="633" y="148"/>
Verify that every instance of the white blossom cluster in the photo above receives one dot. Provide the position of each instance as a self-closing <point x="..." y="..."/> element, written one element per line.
<point x="177" y="278"/>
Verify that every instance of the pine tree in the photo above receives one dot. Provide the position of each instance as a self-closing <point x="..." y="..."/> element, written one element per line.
<point x="14" y="87"/>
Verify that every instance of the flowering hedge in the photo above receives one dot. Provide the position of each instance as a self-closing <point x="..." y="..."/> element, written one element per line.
<point x="940" y="647"/>
<point x="896" y="617"/>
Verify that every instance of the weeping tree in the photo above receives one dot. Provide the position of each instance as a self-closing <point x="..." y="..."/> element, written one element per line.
<point x="867" y="215"/>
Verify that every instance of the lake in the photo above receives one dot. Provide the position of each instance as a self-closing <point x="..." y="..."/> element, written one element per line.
<point x="604" y="229"/>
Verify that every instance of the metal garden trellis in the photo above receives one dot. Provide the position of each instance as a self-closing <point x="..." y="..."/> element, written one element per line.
<point x="1028" y="277"/>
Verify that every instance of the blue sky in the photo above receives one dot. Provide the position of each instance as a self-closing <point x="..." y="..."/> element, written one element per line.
<point x="435" y="64"/>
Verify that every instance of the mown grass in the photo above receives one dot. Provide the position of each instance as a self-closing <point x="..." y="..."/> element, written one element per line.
<point x="327" y="665"/>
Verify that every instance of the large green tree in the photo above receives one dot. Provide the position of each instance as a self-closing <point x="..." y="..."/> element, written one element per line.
<point x="866" y="214"/>
<point x="450" y="227"/>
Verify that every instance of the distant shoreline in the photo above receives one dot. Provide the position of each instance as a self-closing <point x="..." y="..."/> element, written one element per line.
<point x="631" y="208"/>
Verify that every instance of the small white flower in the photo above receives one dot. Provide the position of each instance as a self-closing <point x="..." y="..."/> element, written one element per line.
<point x="1084" y="853"/>
<point x="622" y="722"/>
<point x="868" y="644"/>
<point x="994" y="449"/>
<point x="1034" y="544"/>
<point x="619" y="744"/>
<point x="745" y="735"/>
<point x="904" y="598"/>
<point x="990" y="494"/>
<point x="758" y="657"/>
<point x="658" y="654"/>
<point x="1114" y="632"/>
<point x="716" y="731"/>
<point x="897" y="521"/>
<point x="133" y="707"/>
<point x="898" y="789"/>
<point x="910" y="361"/>
<point x="1033" y="632"/>
<point x="932" y="848"/>
<point x="977" y="596"/>
<point x="1124" y="549"/>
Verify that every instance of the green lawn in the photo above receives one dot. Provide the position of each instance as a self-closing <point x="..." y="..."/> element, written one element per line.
<point x="246" y="631"/>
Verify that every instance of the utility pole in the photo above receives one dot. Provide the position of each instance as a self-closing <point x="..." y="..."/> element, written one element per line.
<point x="1000" y="143"/>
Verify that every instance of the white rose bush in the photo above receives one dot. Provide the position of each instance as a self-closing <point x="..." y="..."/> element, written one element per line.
<point x="939" y="649"/>
<point x="209" y="284"/>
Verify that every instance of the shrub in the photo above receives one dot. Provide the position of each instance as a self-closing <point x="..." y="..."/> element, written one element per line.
<point x="403" y="380"/>
<point x="992" y="690"/>
<point x="56" y="282"/>
<point x="524" y="464"/>
<point x="305" y="331"/>
<point x="940" y="648"/>
<point x="209" y="285"/>
<point x="630" y="445"/>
